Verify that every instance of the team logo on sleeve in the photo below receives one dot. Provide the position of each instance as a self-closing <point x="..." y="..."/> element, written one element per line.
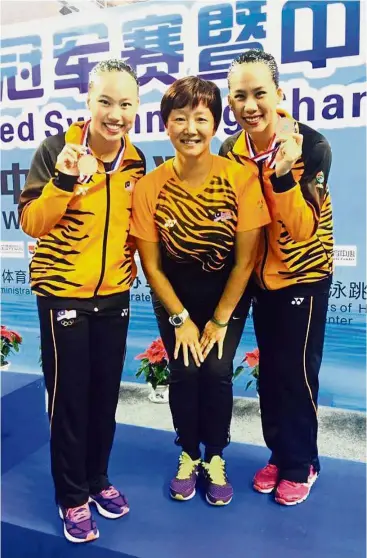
<point x="320" y="179"/>
<point x="260" y="204"/>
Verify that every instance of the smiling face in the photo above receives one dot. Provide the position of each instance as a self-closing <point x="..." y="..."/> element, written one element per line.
<point x="254" y="98"/>
<point x="113" y="103"/>
<point x="191" y="130"/>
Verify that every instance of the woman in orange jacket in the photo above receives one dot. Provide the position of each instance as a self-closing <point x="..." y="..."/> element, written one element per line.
<point x="77" y="202"/>
<point x="293" y="271"/>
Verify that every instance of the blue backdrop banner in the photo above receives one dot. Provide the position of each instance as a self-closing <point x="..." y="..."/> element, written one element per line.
<point x="44" y="76"/>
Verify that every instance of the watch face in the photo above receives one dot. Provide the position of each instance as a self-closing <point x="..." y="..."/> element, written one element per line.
<point x="176" y="321"/>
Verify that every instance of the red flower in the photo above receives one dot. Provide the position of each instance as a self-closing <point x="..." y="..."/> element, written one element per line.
<point x="17" y="337"/>
<point x="6" y="333"/>
<point x="252" y="358"/>
<point x="154" y="353"/>
<point x="10" y="335"/>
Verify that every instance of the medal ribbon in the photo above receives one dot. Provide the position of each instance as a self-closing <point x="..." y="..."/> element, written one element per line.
<point x="268" y="156"/>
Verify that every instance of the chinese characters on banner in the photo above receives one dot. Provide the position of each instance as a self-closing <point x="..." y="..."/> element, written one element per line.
<point x="318" y="44"/>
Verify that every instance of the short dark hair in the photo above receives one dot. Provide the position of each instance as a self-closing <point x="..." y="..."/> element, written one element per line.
<point x="256" y="55"/>
<point x="111" y="65"/>
<point x="192" y="91"/>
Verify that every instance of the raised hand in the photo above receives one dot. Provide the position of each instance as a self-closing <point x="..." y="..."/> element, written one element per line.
<point x="67" y="161"/>
<point x="290" y="150"/>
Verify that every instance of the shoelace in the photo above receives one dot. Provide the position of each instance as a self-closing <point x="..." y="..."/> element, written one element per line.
<point x="78" y="514"/>
<point x="110" y="492"/>
<point x="216" y="470"/>
<point x="185" y="467"/>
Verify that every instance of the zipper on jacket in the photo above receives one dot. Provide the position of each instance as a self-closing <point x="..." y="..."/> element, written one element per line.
<point x="105" y="234"/>
<point x="266" y="242"/>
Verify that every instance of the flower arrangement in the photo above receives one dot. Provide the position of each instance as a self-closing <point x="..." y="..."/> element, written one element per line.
<point x="10" y="341"/>
<point x="252" y="361"/>
<point x="154" y="364"/>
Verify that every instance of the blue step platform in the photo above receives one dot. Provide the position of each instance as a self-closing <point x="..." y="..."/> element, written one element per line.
<point x="24" y="422"/>
<point x="330" y="524"/>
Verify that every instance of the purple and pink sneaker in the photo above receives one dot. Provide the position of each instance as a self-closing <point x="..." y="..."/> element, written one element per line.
<point x="219" y="491"/>
<point x="110" y="503"/>
<point x="79" y="525"/>
<point x="183" y="486"/>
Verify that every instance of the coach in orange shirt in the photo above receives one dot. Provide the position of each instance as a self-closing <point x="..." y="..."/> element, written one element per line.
<point x="197" y="221"/>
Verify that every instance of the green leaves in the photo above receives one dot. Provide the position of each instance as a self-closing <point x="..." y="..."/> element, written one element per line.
<point x="238" y="371"/>
<point x="8" y="344"/>
<point x="156" y="374"/>
<point x="254" y="372"/>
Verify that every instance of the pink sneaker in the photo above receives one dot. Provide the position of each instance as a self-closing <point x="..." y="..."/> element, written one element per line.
<point x="291" y="493"/>
<point x="266" y="479"/>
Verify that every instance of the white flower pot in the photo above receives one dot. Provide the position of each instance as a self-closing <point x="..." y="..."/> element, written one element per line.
<point x="159" y="394"/>
<point x="5" y="366"/>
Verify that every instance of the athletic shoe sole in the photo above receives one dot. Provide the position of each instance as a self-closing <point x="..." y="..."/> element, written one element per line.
<point x="218" y="502"/>
<point x="263" y="490"/>
<point x="181" y="498"/>
<point x="107" y="514"/>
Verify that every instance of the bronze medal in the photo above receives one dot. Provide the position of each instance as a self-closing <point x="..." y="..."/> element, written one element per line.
<point x="87" y="165"/>
<point x="284" y="126"/>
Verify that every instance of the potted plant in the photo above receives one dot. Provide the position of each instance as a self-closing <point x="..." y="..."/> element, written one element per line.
<point x="10" y="341"/>
<point x="154" y="367"/>
<point x="251" y="359"/>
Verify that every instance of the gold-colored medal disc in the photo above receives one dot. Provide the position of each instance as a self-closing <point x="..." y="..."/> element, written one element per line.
<point x="87" y="165"/>
<point x="284" y="126"/>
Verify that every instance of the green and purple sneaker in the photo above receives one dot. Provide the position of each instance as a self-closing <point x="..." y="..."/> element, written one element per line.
<point x="183" y="485"/>
<point x="219" y="491"/>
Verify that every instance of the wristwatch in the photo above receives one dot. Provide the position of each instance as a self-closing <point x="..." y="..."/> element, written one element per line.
<point x="178" y="319"/>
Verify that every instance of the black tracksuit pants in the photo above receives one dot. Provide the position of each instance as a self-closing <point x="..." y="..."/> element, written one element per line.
<point x="290" y="331"/>
<point x="83" y="351"/>
<point x="201" y="398"/>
